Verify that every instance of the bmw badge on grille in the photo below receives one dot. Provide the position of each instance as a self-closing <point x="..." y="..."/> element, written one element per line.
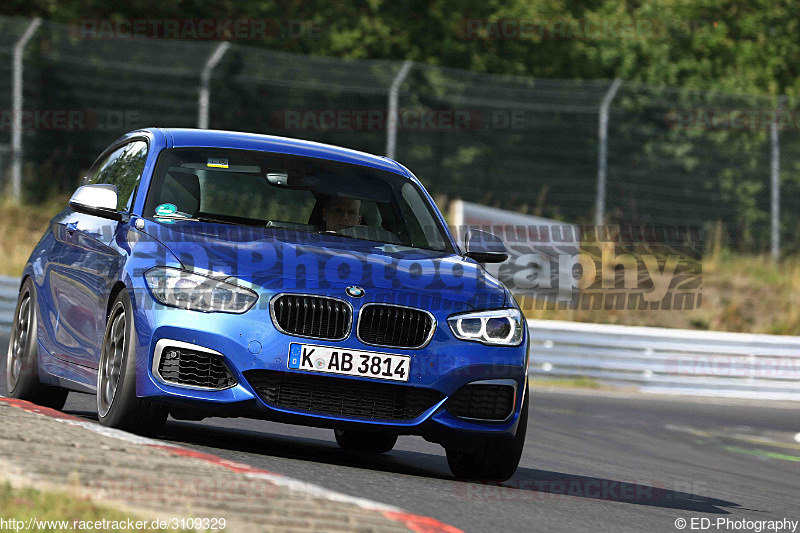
<point x="355" y="292"/>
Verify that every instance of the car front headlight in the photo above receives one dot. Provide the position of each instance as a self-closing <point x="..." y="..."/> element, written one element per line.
<point x="179" y="288"/>
<point x="502" y="327"/>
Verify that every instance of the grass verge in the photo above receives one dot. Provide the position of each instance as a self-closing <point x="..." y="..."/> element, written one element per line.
<point x="34" y="510"/>
<point x="21" y="227"/>
<point x="579" y="382"/>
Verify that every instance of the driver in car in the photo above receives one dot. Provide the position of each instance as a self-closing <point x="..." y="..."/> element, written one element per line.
<point x="341" y="213"/>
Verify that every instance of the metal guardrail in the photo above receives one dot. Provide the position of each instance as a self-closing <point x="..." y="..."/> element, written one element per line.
<point x="9" y="289"/>
<point x="662" y="360"/>
<point x="675" y="361"/>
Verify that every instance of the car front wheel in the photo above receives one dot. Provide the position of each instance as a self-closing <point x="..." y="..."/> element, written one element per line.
<point x="22" y="361"/>
<point x="117" y="403"/>
<point x="495" y="460"/>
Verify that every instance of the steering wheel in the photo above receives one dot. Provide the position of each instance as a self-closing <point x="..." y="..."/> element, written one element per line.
<point x="370" y="233"/>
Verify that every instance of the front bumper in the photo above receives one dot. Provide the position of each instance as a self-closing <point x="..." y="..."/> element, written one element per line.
<point x="250" y="342"/>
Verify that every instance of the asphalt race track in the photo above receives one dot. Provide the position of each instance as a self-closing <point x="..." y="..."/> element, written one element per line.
<point x="592" y="461"/>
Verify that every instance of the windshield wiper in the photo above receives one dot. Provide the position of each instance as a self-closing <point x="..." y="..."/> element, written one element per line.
<point x="206" y="218"/>
<point x="220" y="220"/>
<point x="174" y="217"/>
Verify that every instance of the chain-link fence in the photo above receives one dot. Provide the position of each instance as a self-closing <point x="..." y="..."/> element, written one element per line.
<point x="674" y="157"/>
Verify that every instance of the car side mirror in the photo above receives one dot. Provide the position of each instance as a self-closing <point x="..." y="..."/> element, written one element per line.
<point x="484" y="247"/>
<point x="98" y="200"/>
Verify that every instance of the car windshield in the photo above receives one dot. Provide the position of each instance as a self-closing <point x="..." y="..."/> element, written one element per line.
<point x="292" y="193"/>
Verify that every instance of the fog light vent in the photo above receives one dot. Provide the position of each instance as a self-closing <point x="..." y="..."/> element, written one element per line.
<point x="194" y="368"/>
<point x="482" y="401"/>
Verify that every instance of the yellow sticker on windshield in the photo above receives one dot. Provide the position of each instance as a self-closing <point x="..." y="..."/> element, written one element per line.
<point x="217" y="163"/>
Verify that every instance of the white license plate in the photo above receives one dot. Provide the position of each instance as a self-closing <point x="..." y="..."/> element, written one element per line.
<point x="332" y="360"/>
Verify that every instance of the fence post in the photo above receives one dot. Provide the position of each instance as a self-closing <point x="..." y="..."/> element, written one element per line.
<point x="602" y="153"/>
<point x="391" y="127"/>
<point x="775" y="171"/>
<point x="205" y="80"/>
<point x="16" y="109"/>
<point x="4" y="149"/>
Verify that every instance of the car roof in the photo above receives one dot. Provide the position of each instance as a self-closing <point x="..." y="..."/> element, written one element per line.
<point x="187" y="137"/>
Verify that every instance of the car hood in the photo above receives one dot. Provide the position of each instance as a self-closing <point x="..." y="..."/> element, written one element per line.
<point x="276" y="260"/>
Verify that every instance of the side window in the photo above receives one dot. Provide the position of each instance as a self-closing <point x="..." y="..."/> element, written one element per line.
<point x="422" y="225"/>
<point x="100" y="171"/>
<point x="126" y="172"/>
<point x="123" y="167"/>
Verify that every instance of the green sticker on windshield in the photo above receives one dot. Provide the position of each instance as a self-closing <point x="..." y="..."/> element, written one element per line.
<point x="166" y="209"/>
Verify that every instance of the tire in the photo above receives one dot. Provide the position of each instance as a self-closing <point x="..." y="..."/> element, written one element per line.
<point x="117" y="403"/>
<point x="493" y="461"/>
<point x="22" y="361"/>
<point x="354" y="440"/>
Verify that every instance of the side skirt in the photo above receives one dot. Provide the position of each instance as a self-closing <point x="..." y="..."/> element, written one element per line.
<point x="60" y="373"/>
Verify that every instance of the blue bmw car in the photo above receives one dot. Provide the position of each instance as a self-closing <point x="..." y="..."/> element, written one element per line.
<point x="201" y="273"/>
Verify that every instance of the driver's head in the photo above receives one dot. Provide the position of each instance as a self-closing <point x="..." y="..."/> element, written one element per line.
<point x="338" y="213"/>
